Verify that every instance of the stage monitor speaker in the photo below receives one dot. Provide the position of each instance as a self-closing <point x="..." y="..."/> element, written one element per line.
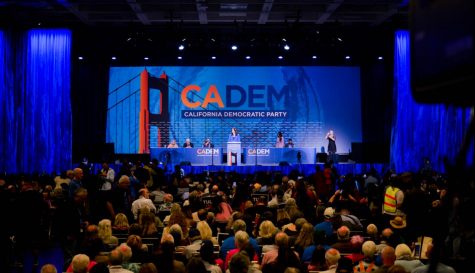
<point x="284" y="164"/>
<point x="322" y="157"/>
<point x="343" y="157"/>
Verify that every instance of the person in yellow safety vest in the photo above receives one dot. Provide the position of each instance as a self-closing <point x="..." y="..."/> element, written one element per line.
<point x="393" y="198"/>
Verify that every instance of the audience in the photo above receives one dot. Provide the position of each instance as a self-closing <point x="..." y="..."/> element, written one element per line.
<point x="289" y="240"/>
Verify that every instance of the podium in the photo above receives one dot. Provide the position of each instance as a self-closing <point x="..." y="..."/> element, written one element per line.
<point x="234" y="149"/>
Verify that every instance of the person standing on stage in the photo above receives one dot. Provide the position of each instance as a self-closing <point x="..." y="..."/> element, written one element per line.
<point x="172" y="144"/>
<point x="207" y="143"/>
<point x="331" y="145"/>
<point x="234" y="136"/>
<point x="279" y="143"/>
<point x="188" y="143"/>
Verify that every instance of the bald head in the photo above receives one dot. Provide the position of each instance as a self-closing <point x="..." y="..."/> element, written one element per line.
<point x="115" y="257"/>
<point x="343" y="233"/>
<point x="388" y="255"/>
<point x="48" y="268"/>
<point x="78" y="173"/>
<point x="387" y="232"/>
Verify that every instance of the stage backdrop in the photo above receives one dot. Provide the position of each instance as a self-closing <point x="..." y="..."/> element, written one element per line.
<point x="157" y="104"/>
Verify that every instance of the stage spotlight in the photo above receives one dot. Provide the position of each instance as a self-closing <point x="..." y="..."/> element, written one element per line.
<point x="179" y="57"/>
<point x="145" y="58"/>
<point x="80" y="58"/>
<point x="286" y="47"/>
<point x="284" y="40"/>
<point x="213" y="57"/>
<point x="114" y="58"/>
<point x="314" y="57"/>
<point x="280" y="57"/>
<point x="181" y="47"/>
<point x="248" y="57"/>
<point x="339" y="39"/>
<point x="234" y="47"/>
<point x="380" y="57"/>
<point x="347" y="57"/>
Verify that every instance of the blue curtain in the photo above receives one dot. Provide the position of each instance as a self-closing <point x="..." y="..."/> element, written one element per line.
<point x="36" y="119"/>
<point x="419" y="131"/>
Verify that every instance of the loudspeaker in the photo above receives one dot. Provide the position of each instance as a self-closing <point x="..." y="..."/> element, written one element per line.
<point x="343" y="157"/>
<point x="322" y="157"/>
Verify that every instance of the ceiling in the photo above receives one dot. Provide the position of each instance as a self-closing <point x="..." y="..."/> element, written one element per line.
<point x="259" y="25"/>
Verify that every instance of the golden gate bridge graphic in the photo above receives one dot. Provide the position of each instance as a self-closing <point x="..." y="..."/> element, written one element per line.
<point x="156" y="122"/>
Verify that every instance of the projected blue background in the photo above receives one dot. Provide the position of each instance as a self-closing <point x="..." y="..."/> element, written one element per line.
<point x="314" y="100"/>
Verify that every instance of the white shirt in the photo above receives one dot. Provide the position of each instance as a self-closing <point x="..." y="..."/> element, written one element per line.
<point x="141" y="203"/>
<point x="108" y="180"/>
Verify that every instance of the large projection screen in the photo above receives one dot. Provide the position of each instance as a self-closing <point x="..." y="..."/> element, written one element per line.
<point x="198" y="102"/>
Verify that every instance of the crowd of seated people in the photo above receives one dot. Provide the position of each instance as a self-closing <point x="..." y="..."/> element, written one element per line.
<point x="270" y="222"/>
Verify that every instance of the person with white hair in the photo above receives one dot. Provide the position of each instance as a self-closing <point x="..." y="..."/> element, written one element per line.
<point x="367" y="264"/>
<point x="80" y="263"/>
<point x="404" y="258"/>
<point x="332" y="256"/>
<point x="126" y="256"/>
<point x="188" y="143"/>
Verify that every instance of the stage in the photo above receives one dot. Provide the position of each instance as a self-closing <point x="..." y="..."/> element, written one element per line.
<point x="343" y="168"/>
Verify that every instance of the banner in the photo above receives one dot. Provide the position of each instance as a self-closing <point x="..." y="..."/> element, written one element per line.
<point x="149" y="107"/>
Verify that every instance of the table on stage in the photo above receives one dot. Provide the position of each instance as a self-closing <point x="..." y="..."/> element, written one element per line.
<point x="195" y="156"/>
<point x="214" y="156"/>
<point x="273" y="156"/>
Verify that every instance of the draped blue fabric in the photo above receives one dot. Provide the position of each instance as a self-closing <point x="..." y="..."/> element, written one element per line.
<point x="433" y="131"/>
<point x="35" y="91"/>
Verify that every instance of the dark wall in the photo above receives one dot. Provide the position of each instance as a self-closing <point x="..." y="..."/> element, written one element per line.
<point x="89" y="107"/>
